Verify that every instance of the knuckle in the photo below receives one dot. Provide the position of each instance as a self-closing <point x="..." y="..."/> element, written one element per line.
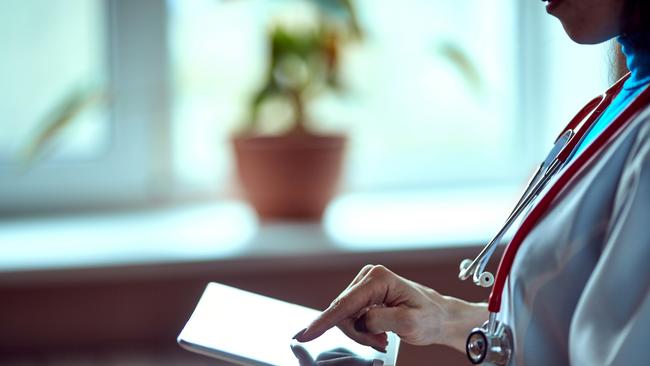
<point x="379" y="271"/>
<point x="366" y="268"/>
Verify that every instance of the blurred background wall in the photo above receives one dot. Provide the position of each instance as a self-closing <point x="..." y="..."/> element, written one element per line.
<point x="150" y="146"/>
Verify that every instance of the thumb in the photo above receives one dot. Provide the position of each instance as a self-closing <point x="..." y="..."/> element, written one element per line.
<point x="389" y="319"/>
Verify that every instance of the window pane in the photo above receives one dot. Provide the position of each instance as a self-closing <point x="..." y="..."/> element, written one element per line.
<point x="48" y="51"/>
<point x="429" y="90"/>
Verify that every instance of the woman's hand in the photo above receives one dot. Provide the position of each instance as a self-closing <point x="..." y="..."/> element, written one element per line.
<point x="378" y="301"/>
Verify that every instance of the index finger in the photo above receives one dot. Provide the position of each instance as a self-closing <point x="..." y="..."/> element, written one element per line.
<point x="351" y="302"/>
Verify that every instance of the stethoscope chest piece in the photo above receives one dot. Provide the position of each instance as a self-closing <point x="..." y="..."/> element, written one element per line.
<point x="492" y="347"/>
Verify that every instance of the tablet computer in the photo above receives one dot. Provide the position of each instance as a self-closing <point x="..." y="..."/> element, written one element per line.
<point x="249" y="329"/>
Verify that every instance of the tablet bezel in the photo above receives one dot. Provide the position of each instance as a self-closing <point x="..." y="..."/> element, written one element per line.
<point x="387" y="359"/>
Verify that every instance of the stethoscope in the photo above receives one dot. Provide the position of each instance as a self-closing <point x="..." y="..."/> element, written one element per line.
<point x="491" y="343"/>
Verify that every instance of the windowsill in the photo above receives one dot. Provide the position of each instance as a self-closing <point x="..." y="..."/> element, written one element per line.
<point x="222" y="231"/>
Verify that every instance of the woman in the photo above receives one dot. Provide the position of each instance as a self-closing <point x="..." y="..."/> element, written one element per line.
<point x="579" y="290"/>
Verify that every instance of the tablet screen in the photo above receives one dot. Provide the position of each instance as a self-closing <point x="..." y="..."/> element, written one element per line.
<point x="251" y="329"/>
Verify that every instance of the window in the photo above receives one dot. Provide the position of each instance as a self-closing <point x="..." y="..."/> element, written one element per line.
<point x="438" y="93"/>
<point x="39" y="37"/>
<point x="108" y="155"/>
<point x="430" y="88"/>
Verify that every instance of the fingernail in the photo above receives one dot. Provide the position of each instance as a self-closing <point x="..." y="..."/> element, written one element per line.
<point x="299" y="334"/>
<point x="360" y="324"/>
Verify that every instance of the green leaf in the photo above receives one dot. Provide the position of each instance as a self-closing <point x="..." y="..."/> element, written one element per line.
<point x="62" y="116"/>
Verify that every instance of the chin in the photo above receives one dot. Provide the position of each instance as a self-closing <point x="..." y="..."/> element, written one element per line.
<point x="584" y="35"/>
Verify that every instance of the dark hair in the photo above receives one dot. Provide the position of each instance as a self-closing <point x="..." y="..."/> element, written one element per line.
<point x="636" y="18"/>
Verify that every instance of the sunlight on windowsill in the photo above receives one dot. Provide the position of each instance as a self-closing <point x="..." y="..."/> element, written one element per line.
<point x="230" y="230"/>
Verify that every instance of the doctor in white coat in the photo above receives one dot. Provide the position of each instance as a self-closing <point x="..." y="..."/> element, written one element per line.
<point x="578" y="292"/>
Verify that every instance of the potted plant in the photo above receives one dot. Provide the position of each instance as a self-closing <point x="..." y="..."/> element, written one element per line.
<point x="295" y="174"/>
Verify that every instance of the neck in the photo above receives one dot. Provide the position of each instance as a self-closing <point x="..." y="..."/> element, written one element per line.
<point x="636" y="48"/>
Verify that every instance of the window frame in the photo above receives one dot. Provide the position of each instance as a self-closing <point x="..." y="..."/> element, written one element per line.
<point x="137" y="73"/>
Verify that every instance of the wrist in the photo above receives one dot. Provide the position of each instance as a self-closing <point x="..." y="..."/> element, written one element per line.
<point x="462" y="317"/>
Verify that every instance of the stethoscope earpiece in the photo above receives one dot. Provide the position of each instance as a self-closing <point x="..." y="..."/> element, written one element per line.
<point x="485" y="279"/>
<point x="480" y="278"/>
<point x="464" y="264"/>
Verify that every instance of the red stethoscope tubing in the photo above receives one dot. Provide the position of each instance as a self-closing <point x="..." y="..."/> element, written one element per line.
<point x="585" y="117"/>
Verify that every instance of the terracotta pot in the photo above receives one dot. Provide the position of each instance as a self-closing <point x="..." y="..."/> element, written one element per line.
<point x="292" y="176"/>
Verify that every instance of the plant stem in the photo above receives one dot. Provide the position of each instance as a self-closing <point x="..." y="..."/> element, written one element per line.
<point x="300" y="123"/>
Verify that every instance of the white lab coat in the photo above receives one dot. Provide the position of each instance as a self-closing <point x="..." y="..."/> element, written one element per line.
<point x="579" y="290"/>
